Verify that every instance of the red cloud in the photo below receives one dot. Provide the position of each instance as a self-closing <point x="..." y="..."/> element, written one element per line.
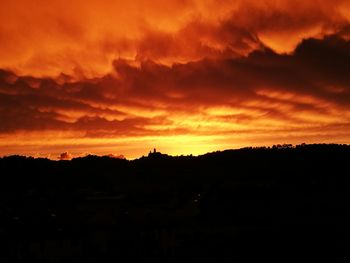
<point x="168" y="33"/>
<point x="185" y="73"/>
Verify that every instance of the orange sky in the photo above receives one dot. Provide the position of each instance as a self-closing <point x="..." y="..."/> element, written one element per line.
<point x="185" y="76"/>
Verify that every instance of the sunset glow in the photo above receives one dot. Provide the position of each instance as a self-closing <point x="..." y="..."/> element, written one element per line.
<point x="184" y="76"/>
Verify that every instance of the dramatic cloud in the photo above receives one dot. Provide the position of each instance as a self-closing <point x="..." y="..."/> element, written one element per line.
<point x="82" y="38"/>
<point x="183" y="76"/>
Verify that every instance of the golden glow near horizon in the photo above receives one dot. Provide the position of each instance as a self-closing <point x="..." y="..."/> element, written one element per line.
<point x="184" y="76"/>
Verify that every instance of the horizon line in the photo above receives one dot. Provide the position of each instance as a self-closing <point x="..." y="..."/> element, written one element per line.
<point x="154" y="151"/>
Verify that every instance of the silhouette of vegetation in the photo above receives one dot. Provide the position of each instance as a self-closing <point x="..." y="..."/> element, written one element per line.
<point x="278" y="204"/>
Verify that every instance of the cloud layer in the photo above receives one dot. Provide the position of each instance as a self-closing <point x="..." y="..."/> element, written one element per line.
<point x="82" y="38"/>
<point x="96" y="77"/>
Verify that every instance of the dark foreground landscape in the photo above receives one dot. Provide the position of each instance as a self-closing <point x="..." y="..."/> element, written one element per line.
<point x="284" y="204"/>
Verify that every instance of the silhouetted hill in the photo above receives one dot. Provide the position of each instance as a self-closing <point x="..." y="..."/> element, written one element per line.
<point x="279" y="204"/>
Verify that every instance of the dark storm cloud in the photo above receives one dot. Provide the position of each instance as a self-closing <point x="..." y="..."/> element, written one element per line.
<point x="311" y="79"/>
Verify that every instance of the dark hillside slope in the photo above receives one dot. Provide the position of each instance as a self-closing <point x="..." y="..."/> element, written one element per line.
<point x="284" y="204"/>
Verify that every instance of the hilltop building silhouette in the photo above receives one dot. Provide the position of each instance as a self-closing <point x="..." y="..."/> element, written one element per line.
<point x="154" y="153"/>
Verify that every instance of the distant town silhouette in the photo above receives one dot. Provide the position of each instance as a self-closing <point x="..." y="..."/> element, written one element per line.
<point x="267" y="204"/>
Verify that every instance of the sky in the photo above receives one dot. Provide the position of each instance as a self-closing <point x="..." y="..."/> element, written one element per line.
<point x="183" y="76"/>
